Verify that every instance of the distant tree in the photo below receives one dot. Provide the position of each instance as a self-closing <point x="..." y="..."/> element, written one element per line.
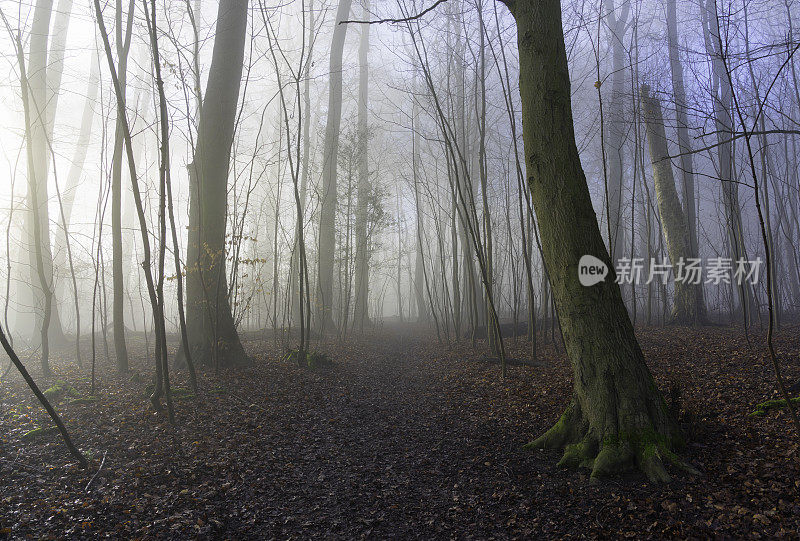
<point x="327" y="220"/>
<point x="688" y="307"/>
<point x="41" y="97"/>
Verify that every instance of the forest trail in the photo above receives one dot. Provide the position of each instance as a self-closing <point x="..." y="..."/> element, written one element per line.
<point x="384" y="438"/>
<point x="399" y="438"/>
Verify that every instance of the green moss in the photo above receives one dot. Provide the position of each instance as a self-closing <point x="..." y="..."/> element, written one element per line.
<point x="764" y="407"/>
<point x="558" y="434"/>
<point x="59" y="389"/>
<point x="649" y="451"/>
<point x="310" y="359"/>
<point x="38" y="432"/>
<point x="579" y="455"/>
<point x="84" y="400"/>
<point x="180" y="393"/>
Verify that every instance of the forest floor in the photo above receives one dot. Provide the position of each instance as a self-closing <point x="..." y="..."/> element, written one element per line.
<point x="399" y="438"/>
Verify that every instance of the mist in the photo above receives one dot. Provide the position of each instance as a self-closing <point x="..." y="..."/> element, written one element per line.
<point x="599" y="199"/>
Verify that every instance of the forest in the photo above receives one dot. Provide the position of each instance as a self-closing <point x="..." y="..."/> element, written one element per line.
<point x="402" y="269"/>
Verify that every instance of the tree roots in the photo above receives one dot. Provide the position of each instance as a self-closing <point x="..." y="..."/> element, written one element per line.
<point x="610" y="454"/>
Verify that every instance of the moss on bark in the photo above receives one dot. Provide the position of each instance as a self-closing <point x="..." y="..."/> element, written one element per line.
<point x="688" y="307"/>
<point x="617" y="419"/>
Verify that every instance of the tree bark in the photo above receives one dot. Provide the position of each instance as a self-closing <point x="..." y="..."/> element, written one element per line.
<point x="420" y="278"/>
<point x="210" y="326"/>
<point x="616" y="127"/>
<point x="123" y="40"/>
<point x="327" y="220"/>
<point x="617" y="418"/>
<point x="360" y="318"/>
<point x="684" y="143"/>
<point x="299" y="243"/>
<point x="688" y="307"/>
<point x="38" y="169"/>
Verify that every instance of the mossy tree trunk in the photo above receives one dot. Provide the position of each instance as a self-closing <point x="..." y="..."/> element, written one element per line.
<point x="688" y="307"/>
<point x="617" y="418"/>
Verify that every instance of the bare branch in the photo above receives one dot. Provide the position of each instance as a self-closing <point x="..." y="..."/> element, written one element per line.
<point x="403" y="20"/>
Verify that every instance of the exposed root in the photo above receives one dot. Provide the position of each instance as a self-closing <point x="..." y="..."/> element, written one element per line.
<point x="649" y="461"/>
<point x="581" y="454"/>
<point x="613" y="459"/>
<point x="569" y="429"/>
<point x="612" y="454"/>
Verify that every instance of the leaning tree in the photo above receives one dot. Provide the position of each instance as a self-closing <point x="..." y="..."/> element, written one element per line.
<point x="617" y="418"/>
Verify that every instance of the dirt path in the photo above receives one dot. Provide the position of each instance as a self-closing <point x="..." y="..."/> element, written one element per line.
<point x="381" y="448"/>
<point x="400" y="438"/>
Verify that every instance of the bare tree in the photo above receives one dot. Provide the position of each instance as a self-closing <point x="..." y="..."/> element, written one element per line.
<point x="327" y="219"/>
<point x="210" y="325"/>
<point x="688" y="307"/>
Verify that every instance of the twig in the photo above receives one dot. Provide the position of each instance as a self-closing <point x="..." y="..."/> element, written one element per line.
<point x="403" y="20"/>
<point x="245" y="402"/>
<point x="16" y="462"/>
<point x="765" y="236"/>
<point x="96" y="473"/>
<point x="42" y="399"/>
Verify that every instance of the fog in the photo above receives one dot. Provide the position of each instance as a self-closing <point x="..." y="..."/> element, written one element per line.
<point x="247" y="247"/>
<point x="428" y="152"/>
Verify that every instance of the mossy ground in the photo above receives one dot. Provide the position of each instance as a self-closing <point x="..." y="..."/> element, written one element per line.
<point x="309" y="359"/>
<point x="764" y="407"/>
<point x="59" y="389"/>
<point x="39" y="432"/>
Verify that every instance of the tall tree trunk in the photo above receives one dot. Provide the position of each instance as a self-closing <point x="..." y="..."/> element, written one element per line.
<point x="617" y="417"/>
<point x="327" y="220"/>
<point x="295" y="288"/>
<point x="38" y="167"/>
<point x="684" y="143"/>
<point x="420" y="277"/>
<point x="123" y="41"/>
<point x="483" y="172"/>
<point x="722" y="96"/>
<point x="616" y="126"/>
<point x="210" y="326"/>
<point x="362" y="249"/>
<point x="55" y="69"/>
<point x="688" y="307"/>
<point x="34" y="185"/>
<point x="767" y="173"/>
